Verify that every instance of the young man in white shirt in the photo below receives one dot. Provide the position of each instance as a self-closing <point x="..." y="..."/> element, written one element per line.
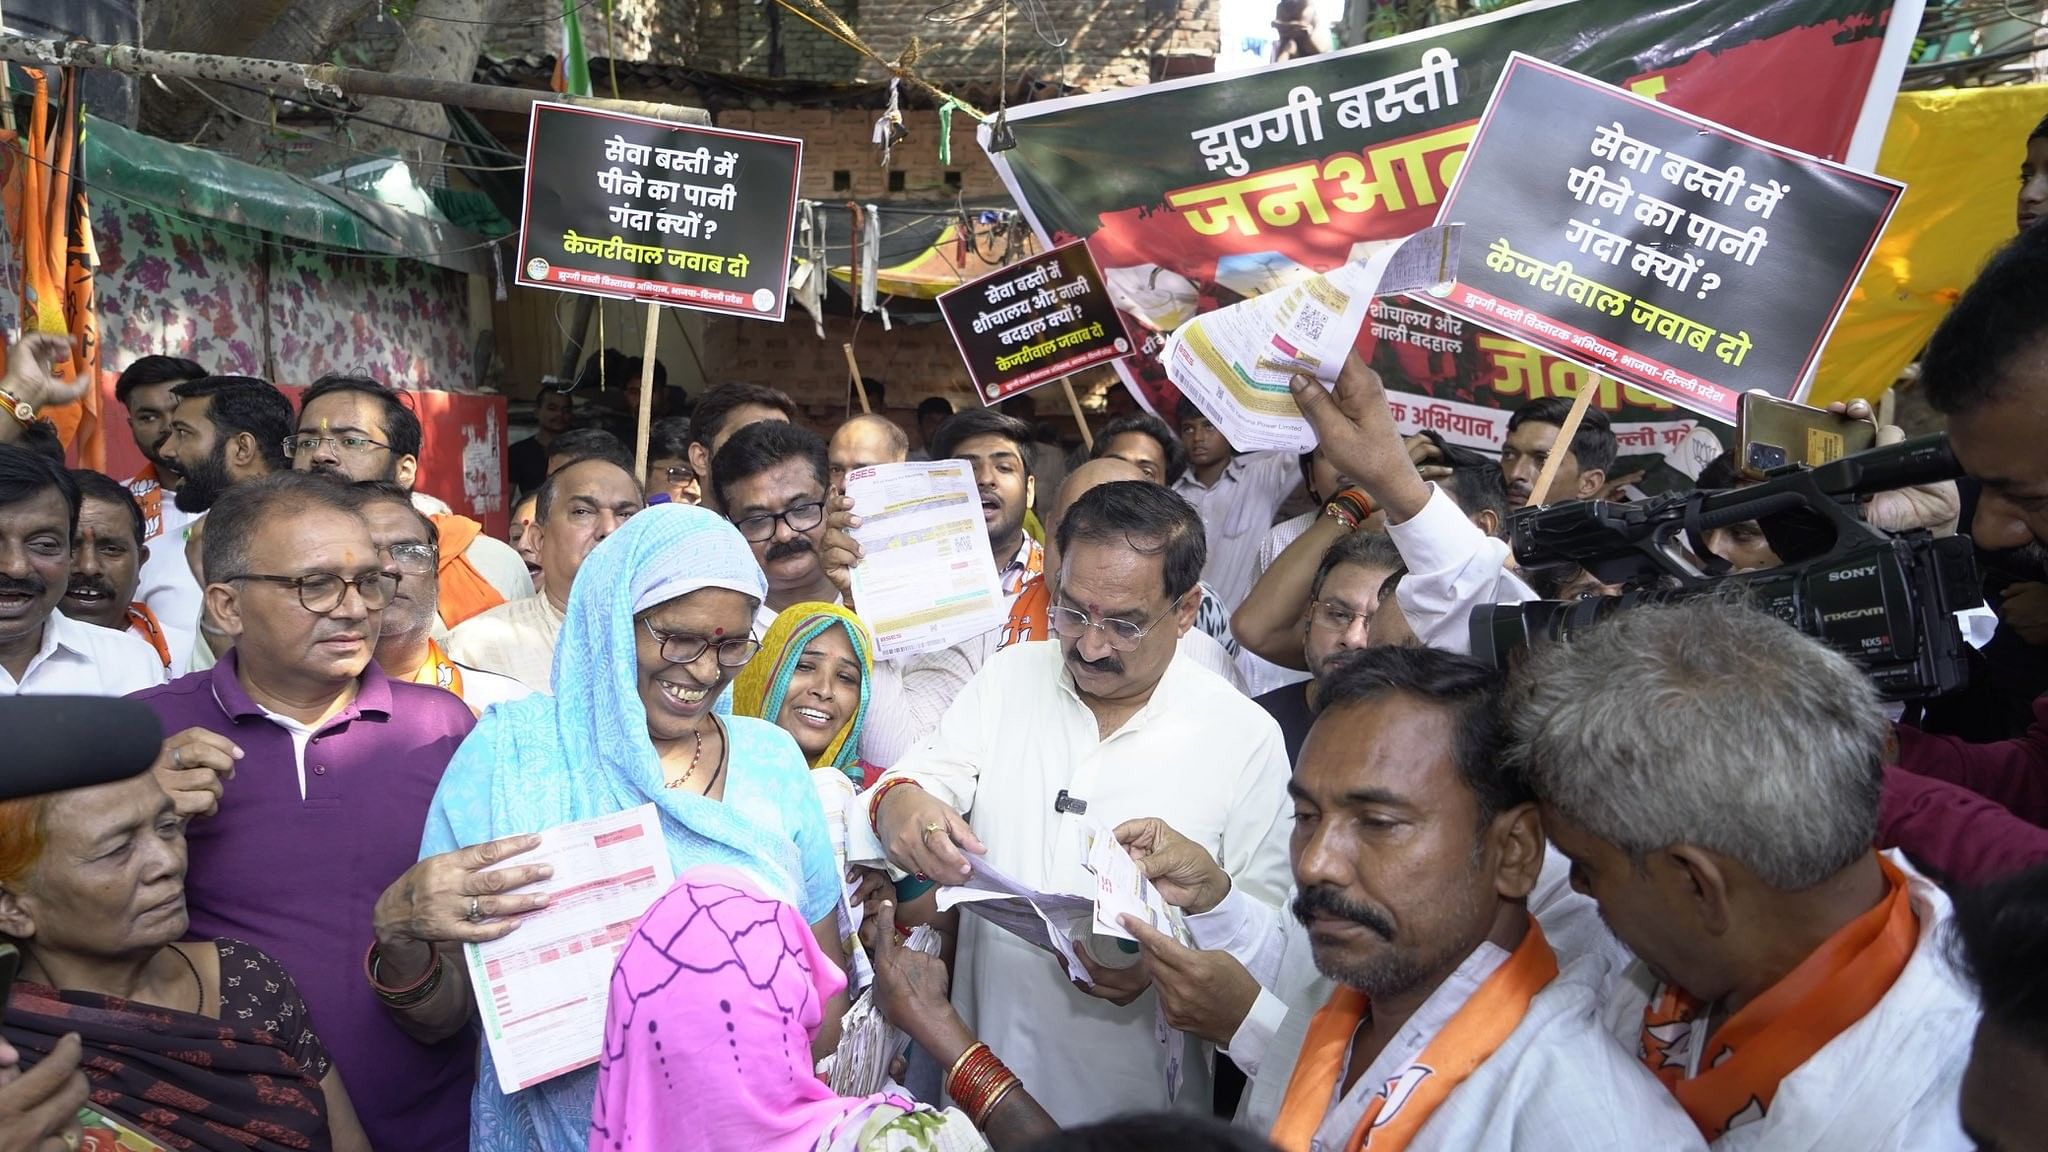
<point x="167" y="590"/>
<point x="1238" y="495"/>
<point x="42" y="651"/>
<point x="1106" y="723"/>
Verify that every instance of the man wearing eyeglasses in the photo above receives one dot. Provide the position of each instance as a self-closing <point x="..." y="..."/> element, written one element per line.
<point x="358" y="429"/>
<point x="770" y="479"/>
<point x="1338" y="622"/>
<point x="308" y="773"/>
<point x="1055" y="739"/>
<point x="406" y="648"/>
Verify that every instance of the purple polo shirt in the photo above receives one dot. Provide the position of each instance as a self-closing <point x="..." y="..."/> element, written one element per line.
<point x="300" y="878"/>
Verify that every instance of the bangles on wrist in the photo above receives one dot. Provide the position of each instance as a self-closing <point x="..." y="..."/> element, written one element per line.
<point x="419" y="991"/>
<point x="978" y="1082"/>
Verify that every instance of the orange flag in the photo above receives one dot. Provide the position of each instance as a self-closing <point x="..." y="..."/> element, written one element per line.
<point x="58" y="257"/>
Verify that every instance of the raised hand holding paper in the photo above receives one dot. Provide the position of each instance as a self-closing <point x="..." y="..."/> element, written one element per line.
<point x="1234" y="363"/>
<point x="927" y="579"/>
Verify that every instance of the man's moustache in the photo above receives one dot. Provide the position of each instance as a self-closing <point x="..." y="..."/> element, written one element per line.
<point x="1110" y="664"/>
<point x="89" y="584"/>
<point x="1322" y="900"/>
<point x="788" y="548"/>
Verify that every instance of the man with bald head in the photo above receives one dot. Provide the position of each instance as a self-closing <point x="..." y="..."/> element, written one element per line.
<point x="862" y="442"/>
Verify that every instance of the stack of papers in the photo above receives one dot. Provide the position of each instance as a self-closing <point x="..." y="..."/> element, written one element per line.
<point x="926" y="579"/>
<point x="868" y="1043"/>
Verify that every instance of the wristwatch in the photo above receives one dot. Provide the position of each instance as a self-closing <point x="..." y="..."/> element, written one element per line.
<point x="21" y="410"/>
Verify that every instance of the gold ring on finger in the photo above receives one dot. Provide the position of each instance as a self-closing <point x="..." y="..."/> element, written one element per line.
<point x="930" y="828"/>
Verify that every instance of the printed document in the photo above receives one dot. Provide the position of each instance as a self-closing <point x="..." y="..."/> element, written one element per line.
<point x="1235" y="362"/>
<point x="542" y="990"/>
<point x="926" y="579"/>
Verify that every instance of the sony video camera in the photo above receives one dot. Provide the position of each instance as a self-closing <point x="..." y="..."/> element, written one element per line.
<point x="1886" y="601"/>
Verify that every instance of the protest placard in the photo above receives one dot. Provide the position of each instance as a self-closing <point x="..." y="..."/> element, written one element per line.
<point x="640" y="209"/>
<point x="1672" y="253"/>
<point x="1034" y="322"/>
<point x="1187" y="208"/>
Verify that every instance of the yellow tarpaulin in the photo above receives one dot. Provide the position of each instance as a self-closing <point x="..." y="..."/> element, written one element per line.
<point x="1959" y="152"/>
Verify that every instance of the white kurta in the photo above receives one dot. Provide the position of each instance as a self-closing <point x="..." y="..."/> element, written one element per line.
<point x="516" y="639"/>
<point x="1889" y="1082"/>
<point x="1558" y="1082"/>
<point x="1199" y="755"/>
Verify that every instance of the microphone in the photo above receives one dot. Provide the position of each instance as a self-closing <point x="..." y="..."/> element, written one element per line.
<point x="57" y="743"/>
<point x="1066" y="803"/>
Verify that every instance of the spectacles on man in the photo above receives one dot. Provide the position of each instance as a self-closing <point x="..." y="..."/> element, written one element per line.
<point x="682" y="648"/>
<point x="1336" y="617"/>
<point x="679" y="475"/>
<point x="415" y="558"/>
<point x="323" y="591"/>
<point x="296" y="446"/>
<point x="1123" y="635"/>
<point x="800" y="518"/>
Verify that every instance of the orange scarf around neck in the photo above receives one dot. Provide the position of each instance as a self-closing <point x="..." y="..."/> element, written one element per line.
<point x="1742" y="1063"/>
<point x="1473" y="1034"/>
<point x="1028" y="613"/>
<point x="142" y="620"/>
<point x="439" y="671"/>
<point x="464" y="591"/>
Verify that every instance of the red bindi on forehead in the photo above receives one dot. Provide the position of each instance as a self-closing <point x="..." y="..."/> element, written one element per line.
<point x="717" y="632"/>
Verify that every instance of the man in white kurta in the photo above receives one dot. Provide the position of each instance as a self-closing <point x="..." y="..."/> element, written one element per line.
<point x="1107" y="733"/>
<point x="1198" y="754"/>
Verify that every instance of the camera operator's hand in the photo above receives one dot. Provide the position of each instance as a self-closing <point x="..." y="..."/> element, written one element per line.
<point x="1936" y="507"/>
<point x="2025" y="607"/>
<point x="1356" y="433"/>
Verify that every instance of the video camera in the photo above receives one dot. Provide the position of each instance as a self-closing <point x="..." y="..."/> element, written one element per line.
<point x="1886" y="601"/>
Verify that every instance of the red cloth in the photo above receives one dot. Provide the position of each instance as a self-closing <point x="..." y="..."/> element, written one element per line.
<point x="1971" y="812"/>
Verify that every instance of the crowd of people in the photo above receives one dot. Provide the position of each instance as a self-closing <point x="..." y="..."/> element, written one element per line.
<point x="1683" y="880"/>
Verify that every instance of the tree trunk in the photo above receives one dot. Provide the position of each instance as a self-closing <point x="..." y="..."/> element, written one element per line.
<point x="307" y="32"/>
<point x="441" y="39"/>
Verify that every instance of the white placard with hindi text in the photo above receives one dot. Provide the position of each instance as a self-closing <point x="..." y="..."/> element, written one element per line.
<point x="542" y="990"/>
<point x="927" y="579"/>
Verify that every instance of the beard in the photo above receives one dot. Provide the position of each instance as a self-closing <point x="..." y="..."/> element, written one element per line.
<point x="2028" y="561"/>
<point x="205" y="481"/>
<point x="388" y="476"/>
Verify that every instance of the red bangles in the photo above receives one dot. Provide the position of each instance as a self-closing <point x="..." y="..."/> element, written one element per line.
<point x="875" y="801"/>
<point x="979" y="1081"/>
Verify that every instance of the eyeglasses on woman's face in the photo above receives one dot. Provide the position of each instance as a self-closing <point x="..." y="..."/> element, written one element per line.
<point x="684" y="648"/>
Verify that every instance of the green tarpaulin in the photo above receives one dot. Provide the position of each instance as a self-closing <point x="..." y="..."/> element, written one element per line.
<point x="194" y="182"/>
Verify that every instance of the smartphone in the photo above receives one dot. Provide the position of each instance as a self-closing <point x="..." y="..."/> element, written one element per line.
<point x="1773" y="434"/>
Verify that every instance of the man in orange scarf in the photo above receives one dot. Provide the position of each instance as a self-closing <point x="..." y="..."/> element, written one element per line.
<point x="359" y="429"/>
<point x="1448" y="1022"/>
<point x="1714" y="776"/>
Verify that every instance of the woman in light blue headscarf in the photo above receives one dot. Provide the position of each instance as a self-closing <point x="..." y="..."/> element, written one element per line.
<point x="658" y="623"/>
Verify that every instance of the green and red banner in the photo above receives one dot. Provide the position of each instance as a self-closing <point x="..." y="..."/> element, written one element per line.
<point x="1197" y="193"/>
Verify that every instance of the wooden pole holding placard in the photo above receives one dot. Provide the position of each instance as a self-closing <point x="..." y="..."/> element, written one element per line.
<point x="1563" y="443"/>
<point x="1080" y="417"/>
<point x="646" y="392"/>
<point x="859" y="389"/>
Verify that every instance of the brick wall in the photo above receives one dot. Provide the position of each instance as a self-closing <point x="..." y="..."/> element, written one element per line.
<point x="1109" y="45"/>
<point x="840" y="162"/>
<point x="915" y="361"/>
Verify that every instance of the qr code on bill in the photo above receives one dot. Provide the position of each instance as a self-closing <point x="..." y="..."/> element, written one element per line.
<point x="1311" y="323"/>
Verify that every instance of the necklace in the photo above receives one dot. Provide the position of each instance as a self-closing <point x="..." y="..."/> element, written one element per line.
<point x="696" y="753"/>
<point x="198" y="985"/>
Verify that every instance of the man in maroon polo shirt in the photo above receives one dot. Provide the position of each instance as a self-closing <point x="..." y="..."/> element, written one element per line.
<point x="308" y="774"/>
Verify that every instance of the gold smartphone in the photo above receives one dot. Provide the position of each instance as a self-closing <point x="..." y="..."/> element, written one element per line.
<point x="1774" y="434"/>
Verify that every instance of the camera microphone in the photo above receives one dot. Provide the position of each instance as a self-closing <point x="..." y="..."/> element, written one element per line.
<point x="1066" y="803"/>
